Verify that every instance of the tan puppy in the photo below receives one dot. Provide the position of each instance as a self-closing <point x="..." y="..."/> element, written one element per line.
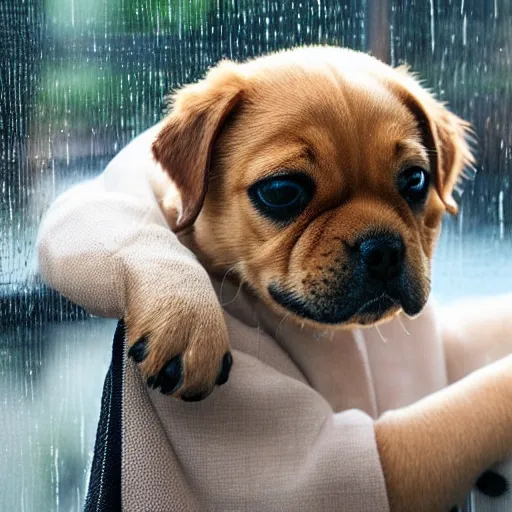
<point x="317" y="178"/>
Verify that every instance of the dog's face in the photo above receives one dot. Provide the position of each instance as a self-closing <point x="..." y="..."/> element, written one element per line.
<point x="318" y="177"/>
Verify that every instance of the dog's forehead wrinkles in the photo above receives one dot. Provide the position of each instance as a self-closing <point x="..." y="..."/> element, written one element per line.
<point x="334" y="138"/>
<point x="348" y="112"/>
<point x="272" y="158"/>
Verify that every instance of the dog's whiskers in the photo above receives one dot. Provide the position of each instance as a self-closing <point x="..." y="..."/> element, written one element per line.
<point x="380" y="334"/>
<point x="280" y="323"/>
<point x="236" y="295"/>
<point x="402" y="325"/>
<point x="222" y="283"/>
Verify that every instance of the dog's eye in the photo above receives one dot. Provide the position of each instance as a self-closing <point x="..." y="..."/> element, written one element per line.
<point x="413" y="185"/>
<point x="282" y="198"/>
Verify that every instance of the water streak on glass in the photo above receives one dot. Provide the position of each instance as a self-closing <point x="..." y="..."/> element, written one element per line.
<point x="81" y="78"/>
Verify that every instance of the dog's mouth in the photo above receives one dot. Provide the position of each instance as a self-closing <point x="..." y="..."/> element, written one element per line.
<point x="377" y="306"/>
<point x="352" y="308"/>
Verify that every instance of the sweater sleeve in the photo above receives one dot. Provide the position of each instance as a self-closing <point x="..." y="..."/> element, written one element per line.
<point x="98" y="234"/>
<point x="264" y="441"/>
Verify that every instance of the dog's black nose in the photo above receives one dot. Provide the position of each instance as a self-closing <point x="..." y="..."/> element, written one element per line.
<point x="383" y="255"/>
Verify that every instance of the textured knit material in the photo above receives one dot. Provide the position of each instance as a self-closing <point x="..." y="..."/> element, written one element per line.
<point x="292" y="430"/>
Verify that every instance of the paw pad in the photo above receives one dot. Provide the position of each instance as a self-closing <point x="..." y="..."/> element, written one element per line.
<point x="172" y="376"/>
<point x="139" y="350"/>
<point x="492" y="484"/>
<point x="169" y="378"/>
<point x="227" y="362"/>
<point x="194" y="397"/>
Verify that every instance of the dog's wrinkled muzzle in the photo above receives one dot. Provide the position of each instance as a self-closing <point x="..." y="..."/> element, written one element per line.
<point x="380" y="284"/>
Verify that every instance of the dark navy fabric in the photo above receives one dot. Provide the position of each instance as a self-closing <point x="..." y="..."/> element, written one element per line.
<point x="104" y="493"/>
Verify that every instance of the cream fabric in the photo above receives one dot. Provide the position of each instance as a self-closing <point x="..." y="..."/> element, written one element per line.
<point x="292" y="430"/>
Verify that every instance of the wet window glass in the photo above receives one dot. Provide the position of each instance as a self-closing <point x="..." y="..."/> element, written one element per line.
<point x="80" y="79"/>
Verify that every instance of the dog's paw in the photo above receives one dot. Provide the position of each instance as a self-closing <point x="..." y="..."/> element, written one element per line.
<point x="181" y="349"/>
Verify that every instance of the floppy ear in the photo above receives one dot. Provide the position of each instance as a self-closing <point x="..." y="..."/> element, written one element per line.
<point x="184" y="145"/>
<point x="444" y="134"/>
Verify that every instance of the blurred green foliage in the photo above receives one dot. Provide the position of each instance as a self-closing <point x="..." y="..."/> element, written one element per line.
<point x="128" y="16"/>
<point x="72" y="93"/>
<point x="75" y="94"/>
<point x="83" y="94"/>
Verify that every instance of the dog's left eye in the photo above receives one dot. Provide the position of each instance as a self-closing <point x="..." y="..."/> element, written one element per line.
<point x="282" y="198"/>
<point x="413" y="185"/>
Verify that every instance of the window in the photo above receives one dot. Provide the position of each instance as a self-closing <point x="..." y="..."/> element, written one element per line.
<point x="80" y="79"/>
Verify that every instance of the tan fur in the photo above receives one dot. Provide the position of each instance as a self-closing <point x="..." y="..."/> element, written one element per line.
<point x="352" y="123"/>
<point x="304" y="110"/>
<point x="189" y="322"/>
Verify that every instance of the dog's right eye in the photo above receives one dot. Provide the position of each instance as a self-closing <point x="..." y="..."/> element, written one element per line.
<point x="282" y="198"/>
<point x="413" y="184"/>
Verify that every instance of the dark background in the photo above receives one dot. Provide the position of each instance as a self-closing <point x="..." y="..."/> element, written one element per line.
<point x="79" y="79"/>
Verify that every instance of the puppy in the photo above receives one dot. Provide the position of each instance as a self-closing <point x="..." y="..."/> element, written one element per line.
<point x="314" y="181"/>
<point x="317" y="179"/>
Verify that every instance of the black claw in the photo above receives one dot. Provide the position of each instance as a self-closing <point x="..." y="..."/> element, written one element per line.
<point x="227" y="362"/>
<point x="171" y="376"/>
<point x="492" y="484"/>
<point x="139" y="350"/>
<point x="194" y="397"/>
